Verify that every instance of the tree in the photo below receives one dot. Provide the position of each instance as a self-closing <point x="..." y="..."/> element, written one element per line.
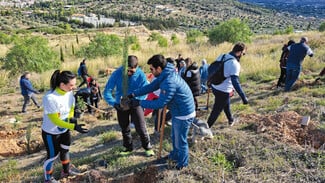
<point x="101" y="46"/>
<point x="322" y="27"/>
<point x="32" y="54"/>
<point x="232" y="31"/>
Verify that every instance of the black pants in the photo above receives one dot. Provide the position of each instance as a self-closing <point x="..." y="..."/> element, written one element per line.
<point x="27" y="101"/>
<point x="136" y="116"/>
<point x="56" y="145"/>
<point x="221" y="102"/>
<point x="282" y="77"/>
<point x="84" y="80"/>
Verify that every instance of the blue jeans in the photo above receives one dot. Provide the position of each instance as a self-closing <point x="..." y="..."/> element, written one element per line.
<point x="292" y="76"/>
<point x="204" y="85"/>
<point x="180" y="130"/>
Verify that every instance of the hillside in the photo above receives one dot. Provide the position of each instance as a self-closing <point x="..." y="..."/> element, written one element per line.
<point x="176" y="15"/>
<point x="306" y="8"/>
<point x="268" y="144"/>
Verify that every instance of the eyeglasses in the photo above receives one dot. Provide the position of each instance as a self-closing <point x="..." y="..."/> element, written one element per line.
<point x="132" y="71"/>
<point x="151" y="69"/>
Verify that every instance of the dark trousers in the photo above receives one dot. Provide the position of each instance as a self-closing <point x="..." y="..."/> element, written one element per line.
<point x="282" y="78"/>
<point x="56" y="145"/>
<point x="84" y="80"/>
<point x="27" y="101"/>
<point x="135" y="115"/>
<point x="221" y="102"/>
<point x="292" y="76"/>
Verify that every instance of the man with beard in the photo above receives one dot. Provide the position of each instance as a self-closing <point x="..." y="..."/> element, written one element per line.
<point x="222" y="91"/>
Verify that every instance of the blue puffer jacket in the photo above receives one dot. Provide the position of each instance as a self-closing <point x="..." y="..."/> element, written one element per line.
<point x="174" y="92"/>
<point x="26" y="86"/>
<point x="137" y="80"/>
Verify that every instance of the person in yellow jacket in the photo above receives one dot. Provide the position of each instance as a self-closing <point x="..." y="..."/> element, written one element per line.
<point x="58" y="120"/>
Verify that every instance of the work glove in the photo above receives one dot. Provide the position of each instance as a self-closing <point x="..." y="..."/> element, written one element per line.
<point x="245" y="101"/>
<point x="124" y="103"/>
<point x="130" y="96"/>
<point x="73" y="120"/>
<point x="80" y="129"/>
<point x="117" y="107"/>
<point x="134" y="103"/>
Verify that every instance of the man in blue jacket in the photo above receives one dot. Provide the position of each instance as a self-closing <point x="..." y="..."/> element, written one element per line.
<point x="204" y="75"/>
<point x="136" y="79"/>
<point x="27" y="91"/>
<point x="296" y="57"/>
<point x="176" y="94"/>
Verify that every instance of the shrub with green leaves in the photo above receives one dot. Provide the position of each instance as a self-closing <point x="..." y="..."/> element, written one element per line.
<point x="322" y="27"/>
<point x="193" y="35"/>
<point x="32" y="54"/>
<point x="174" y="39"/>
<point x="233" y="30"/>
<point x="102" y="46"/>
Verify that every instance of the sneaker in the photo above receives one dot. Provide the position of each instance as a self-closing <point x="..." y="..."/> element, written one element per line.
<point x="132" y="125"/>
<point x="125" y="152"/>
<point x="72" y="171"/>
<point x="52" y="180"/>
<point x="149" y="152"/>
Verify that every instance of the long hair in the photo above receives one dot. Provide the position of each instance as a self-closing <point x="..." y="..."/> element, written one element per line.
<point x="61" y="77"/>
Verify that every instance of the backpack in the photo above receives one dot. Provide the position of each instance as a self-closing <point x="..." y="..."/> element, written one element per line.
<point x="216" y="71"/>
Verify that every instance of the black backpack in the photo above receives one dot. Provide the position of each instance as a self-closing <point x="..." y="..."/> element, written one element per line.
<point x="216" y="71"/>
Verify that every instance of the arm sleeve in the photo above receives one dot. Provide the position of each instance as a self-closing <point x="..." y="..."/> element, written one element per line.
<point x="153" y="86"/>
<point x="110" y="85"/>
<point x="58" y="122"/>
<point x="236" y="84"/>
<point x="29" y="86"/>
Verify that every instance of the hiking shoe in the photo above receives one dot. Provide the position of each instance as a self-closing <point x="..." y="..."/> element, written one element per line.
<point x="125" y="152"/>
<point x="149" y="152"/>
<point x="52" y="180"/>
<point x="72" y="171"/>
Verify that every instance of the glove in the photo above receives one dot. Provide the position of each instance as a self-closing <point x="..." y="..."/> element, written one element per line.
<point x="73" y="120"/>
<point x="80" y="129"/>
<point x="130" y="96"/>
<point x="245" y="101"/>
<point x="134" y="103"/>
<point x="124" y="103"/>
<point x="118" y="107"/>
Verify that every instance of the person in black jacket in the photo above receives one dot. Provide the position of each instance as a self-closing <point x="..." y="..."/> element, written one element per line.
<point x="83" y="72"/>
<point x="192" y="78"/>
<point x="283" y="63"/>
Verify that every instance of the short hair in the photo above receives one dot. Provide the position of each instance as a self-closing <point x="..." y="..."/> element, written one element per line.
<point x="303" y="40"/>
<point x="170" y="60"/>
<point x="239" y="47"/>
<point x="157" y="61"/>
<point x="132" y="61"/>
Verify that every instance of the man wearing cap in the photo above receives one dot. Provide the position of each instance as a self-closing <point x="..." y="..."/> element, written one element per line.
<point x="296" y="56"/>
<point x="136" y="79"/>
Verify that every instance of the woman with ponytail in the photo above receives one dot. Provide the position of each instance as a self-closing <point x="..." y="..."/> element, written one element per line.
<point x="58" y="120"/>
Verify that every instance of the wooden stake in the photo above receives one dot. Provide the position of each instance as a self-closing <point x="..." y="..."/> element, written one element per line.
<point x="162" y="131"/>
<point x="208" y="98"/>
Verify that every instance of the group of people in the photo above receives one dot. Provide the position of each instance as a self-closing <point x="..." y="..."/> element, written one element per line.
<point x="291" y="59"/>
<point x="175" y="84"/>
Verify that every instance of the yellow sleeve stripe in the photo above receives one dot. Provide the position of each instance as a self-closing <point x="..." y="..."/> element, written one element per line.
<point x="59" y="122"/>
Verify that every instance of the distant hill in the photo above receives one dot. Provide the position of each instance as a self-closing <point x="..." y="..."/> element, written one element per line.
<point x="307" y="8"/>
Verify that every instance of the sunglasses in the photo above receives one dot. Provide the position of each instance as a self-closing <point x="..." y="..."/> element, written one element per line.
<point x="132" y="71"/>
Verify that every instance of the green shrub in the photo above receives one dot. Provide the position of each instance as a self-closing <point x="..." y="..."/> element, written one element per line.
<point x="322" y="27"/>
<point x="102" y="46"/>
<point x="174" y="39"/>
<point x="193" y="35"/>
<point x="32" y="54"/>
<point x="232" y="31"/>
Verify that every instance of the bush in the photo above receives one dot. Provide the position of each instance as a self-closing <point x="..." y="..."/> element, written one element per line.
<point x="192" y="35"/>
<point x="102" y="46"/>
<point x="322" y="27"/>
<point x="32" y="54"/>
<point x="174" y="39"/>
<point x="232" y="31"/>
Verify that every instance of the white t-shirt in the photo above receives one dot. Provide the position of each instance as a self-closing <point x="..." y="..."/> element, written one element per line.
<point x="231" y="67"/>
<point x="53" y="102"/>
